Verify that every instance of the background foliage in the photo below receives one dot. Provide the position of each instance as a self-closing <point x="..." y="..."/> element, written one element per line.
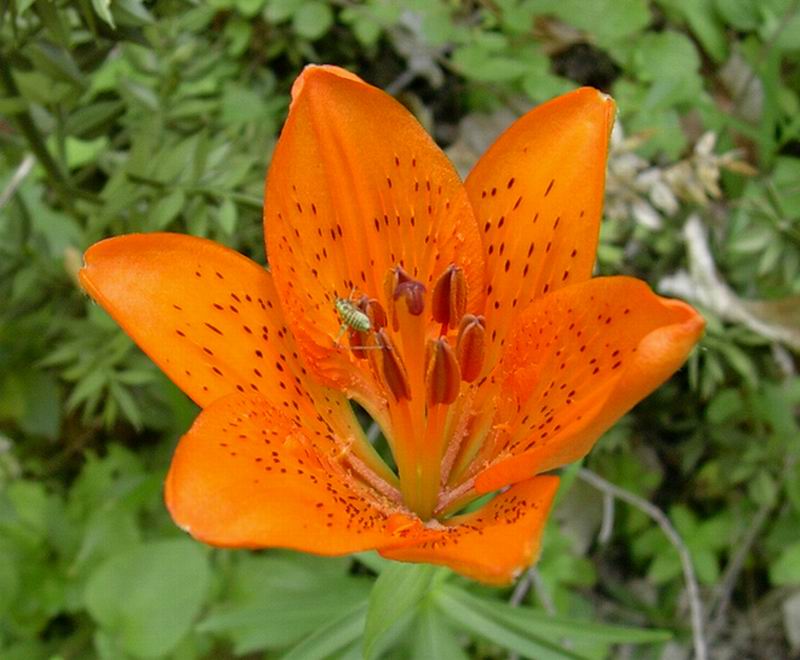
<point x="119" y="116"/>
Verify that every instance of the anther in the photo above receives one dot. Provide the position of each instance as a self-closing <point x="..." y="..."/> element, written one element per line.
<point x="471" y="346"/>
<point x="449" y="298"/>
<point x="359" y="344"/>
<point x="374" y="310"/>
<point x="442" y="377"/>
<point x="388" y="363"/>
<point x="400" y="284"/>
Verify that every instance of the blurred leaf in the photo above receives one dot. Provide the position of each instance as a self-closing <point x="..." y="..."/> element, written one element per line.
<point x="166" y="210"/>
<point x="147" y="597"/>
<point x="786" y="569"/>
<point x="470" y="614"/>
<point x="312" y="19"/>
<point x="280" y="599"/>
<point x="330" y="638"/>
<point x="103" y="9"/>
<point x="433" y="637"/>
<point x="478" y="63"/>
<point x="228" y="216"/>
<point x="610" y="21"/>
<point x="57" y="62"/>
<point x="741" y="14"/>
<point x="397" y="592"/>
<point x="701" y="15"/>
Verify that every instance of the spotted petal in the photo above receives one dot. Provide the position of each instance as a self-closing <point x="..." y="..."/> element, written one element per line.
<point x="494" y="544"/>
<point x="355" y="188"/>
<point x="245" y="475"/>
<point x="211" y="319"/>
<point x="576" y="361"/>
<point x="537" y="195"/>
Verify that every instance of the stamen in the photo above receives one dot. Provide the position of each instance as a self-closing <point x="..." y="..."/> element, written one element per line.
<point x="443" y="377"/>
<point x="374" y="310"/>
<point x="400" y="284"/>
<point x="391" y="366"/>
<point x="471" y="346"/>
<point x="358" y="344"/>
<point x="449" y="298"/>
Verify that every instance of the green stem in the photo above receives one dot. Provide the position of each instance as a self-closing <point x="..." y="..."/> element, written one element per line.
<point x="31" y="133"/>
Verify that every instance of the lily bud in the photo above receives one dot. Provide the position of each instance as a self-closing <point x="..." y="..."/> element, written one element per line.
<point x="442" y="377"/>
<point x="471" y="346"/>
<point x="449" y="298"/>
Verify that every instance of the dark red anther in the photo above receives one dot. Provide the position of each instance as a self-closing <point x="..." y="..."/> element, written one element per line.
<point x="359" y="344"/>
<point x="471" y="346"/>
<point x="449" y="298"/>
<point x="442" y="375"/>
<point x="400" y="284"/>
<point x="389" y="365"/>
<point x="374" y="310"/>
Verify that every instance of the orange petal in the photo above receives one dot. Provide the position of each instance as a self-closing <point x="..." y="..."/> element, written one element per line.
<point x="493" y="544"/>
<point x="356" y="187"/>
<point x="576" y="361"/>
<point x="245" y="475"/>
<point x="210" y="318"/>
<point x="537" y="195"/>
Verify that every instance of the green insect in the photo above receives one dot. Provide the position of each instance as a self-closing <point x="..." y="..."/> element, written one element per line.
<point x="351" y="316"/>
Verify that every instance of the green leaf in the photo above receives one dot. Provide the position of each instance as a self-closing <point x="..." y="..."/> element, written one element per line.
<point x="103" y="9"/>
<point x="227" y="216"/>
<point x="670" y="61"/>
<point x="82" y="152"/>
<point x="312" y="20"/>
<point x="89" y="118"/>
<point x="131" y="12"/>
<point x="398" y="590"/>
<point x="608" y="21"/>
<point x="56" y="61"/>
<point x="724" y="406"/>
<point x="478" y="63"/>
<point x="555" y="628"/>
<point x="147" y="597"/>
<point x="706" y="565"/>
<point x="127" y="404"/>
<point x="461" y="610"/>
<point x="433" y="637"/>
<point x="702" y="18"/>
<point x="166" y="210"/>
<point x="281" y="10"/>
<point x="276" y="601"/>
<point x="329" y="639"/>
<point x="741" y="14"/>
<point x="786" y="569"/>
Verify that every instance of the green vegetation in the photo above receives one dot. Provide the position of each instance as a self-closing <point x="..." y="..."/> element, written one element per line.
<point x="119" y="116"/>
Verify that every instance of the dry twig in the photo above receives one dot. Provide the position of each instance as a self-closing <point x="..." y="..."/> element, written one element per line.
<point x="16" y="179"/>
<point x="692" y="588"/>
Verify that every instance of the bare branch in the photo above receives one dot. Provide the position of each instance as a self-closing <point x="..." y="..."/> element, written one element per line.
<point x="692" y="588"/>
<point x="16" y="179"/>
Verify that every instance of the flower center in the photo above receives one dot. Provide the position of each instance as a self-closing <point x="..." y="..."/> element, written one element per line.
<point x="426" y="351"/>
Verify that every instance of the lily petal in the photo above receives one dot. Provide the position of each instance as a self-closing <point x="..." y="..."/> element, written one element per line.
<point x="355" y="188"/>
<point x="576" y="361"/>
<point x="245" y="475"/>
<point x="211" y="319"/>
<point x="494" y="544"/>
<point x="538" y="195"/>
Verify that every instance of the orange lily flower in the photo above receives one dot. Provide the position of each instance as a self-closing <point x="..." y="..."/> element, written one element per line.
<point x="489" y="355"/>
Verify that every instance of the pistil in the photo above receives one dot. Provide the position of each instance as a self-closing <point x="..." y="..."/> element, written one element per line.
<point x="427" y="353"/>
